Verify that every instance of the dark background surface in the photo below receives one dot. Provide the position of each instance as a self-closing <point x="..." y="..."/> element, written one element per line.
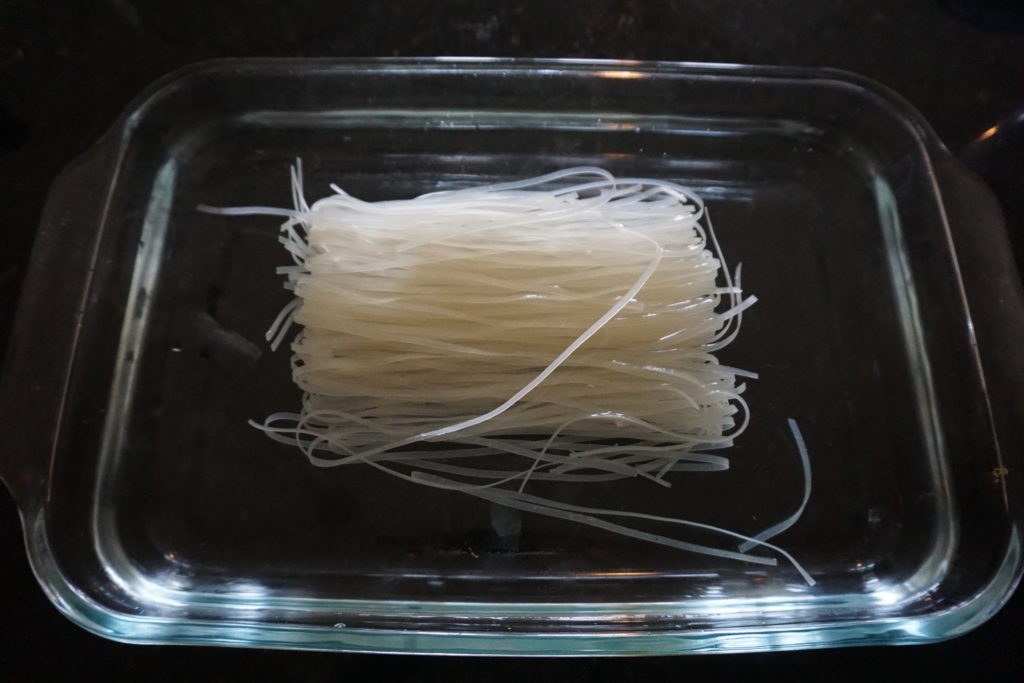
<point x="68" y="69"/>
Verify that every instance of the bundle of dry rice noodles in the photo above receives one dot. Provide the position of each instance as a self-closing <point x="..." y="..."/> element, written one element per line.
<point x="560" y="328"/>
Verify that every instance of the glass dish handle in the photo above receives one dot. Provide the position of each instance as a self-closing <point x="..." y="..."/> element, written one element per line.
<point x="996" y="299"/>
<point x="41" y="348"/>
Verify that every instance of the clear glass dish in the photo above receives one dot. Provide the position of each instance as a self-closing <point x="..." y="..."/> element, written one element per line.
<point x="154" y="514"/>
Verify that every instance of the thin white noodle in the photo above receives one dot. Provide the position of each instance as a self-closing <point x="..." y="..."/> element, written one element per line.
<point x="805" y="465"/>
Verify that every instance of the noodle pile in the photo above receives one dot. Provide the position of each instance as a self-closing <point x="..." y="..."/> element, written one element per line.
<point x="560" y="328"/>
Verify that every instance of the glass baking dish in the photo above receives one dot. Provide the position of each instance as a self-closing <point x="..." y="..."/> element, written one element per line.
<point x="887" y="322"/>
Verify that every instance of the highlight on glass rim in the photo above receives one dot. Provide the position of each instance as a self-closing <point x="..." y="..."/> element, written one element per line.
<point x="561" y="328"/>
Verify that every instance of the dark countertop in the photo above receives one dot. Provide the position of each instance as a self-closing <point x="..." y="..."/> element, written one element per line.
<point x="67" y="69"/>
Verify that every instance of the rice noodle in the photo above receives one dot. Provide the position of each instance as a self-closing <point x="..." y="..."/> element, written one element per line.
<point x="566" y="322"/>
